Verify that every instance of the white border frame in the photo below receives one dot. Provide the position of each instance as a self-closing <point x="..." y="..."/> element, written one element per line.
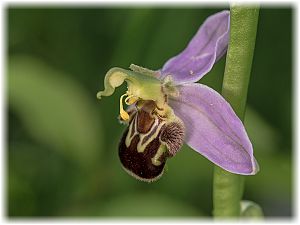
<point x="77" y="3"/>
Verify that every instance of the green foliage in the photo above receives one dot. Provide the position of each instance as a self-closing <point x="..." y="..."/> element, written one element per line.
<point x="54" y="109"/>
<point x="148" y="204"/>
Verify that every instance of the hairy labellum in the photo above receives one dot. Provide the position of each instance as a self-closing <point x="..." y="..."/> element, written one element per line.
<point x="148" y="141"/>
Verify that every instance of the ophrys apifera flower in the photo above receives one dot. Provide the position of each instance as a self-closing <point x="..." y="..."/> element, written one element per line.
<point x="166" y="108"/>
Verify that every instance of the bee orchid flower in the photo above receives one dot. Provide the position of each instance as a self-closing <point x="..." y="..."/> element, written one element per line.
<point x="167" y="108"/>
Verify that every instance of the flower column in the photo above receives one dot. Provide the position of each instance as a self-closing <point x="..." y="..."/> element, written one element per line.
<point x="228" y="187"/>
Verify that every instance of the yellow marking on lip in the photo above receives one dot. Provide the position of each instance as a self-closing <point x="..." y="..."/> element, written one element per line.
<point x="141" y="147"/>
<point x="131" y="135"/>
<point x="155" y="160"/>
<point x="123" y="114"/>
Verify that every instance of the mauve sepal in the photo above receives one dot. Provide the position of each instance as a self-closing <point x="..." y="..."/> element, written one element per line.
<point x="207" y="46"/>
<point x="213" y="129"/>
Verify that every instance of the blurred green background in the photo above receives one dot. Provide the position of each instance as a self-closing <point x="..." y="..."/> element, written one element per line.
<point x="62" y="142"/>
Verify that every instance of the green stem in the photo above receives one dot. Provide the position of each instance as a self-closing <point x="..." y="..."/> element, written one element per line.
<point x="228" y="187"/>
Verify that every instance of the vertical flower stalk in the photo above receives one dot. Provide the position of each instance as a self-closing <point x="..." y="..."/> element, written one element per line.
<point x="228" y="187"/>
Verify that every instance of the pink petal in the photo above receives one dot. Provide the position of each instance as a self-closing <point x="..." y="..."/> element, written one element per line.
<point x="207" y="46"/>
<point x="213" y="129"/>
